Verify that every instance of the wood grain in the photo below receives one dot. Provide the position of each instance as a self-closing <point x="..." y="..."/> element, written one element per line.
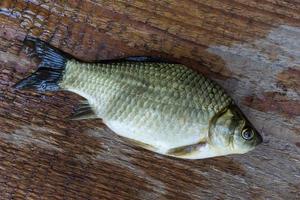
<point x="250" y="47"/>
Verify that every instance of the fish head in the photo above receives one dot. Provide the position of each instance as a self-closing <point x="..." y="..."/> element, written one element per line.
<point x="231" y="132"/>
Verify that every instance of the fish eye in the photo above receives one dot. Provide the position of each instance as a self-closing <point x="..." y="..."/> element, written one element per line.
<point x="247" y="134"/>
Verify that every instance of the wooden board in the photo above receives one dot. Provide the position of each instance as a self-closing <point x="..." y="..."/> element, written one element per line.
<point x="251" y="47"/>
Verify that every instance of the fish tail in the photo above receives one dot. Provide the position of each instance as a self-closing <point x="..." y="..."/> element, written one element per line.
<point x="50" y="70"/>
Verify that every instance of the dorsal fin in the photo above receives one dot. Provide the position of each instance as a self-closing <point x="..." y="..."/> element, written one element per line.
<point x="139" y="59"/>
<point x="83" y="111"/>
<point x="148" y="59"/>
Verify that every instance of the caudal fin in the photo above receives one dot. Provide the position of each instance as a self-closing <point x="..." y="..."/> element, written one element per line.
<point x="50" y="70"/>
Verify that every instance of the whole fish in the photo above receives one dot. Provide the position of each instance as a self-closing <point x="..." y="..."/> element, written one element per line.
<point x="161" y="106"/>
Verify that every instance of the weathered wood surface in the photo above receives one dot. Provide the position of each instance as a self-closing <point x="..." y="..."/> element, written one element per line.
<point x="251" y="47"/>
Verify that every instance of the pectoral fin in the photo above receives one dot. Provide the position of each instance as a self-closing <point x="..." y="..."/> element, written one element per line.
<point x="83" y="111"/>
<point x="186" y="151"/>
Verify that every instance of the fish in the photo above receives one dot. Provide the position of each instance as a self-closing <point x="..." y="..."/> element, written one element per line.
<point x="154" y="103"/>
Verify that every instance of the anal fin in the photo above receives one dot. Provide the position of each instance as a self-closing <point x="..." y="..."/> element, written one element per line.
<point x="83" y="111"/>
<point x="141" y="144"/>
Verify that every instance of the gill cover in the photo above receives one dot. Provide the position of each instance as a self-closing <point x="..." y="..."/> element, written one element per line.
<point x="231" y="130"/>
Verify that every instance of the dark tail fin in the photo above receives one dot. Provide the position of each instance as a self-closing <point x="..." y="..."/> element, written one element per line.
<point x="50" y="69"/>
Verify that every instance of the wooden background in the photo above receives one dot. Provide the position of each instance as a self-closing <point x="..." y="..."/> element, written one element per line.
<point x="251" y="47"/>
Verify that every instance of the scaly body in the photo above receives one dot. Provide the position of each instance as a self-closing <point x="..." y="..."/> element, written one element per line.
<point x="164" y="107"/>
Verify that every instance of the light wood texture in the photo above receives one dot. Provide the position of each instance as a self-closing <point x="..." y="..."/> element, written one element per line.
<point x="251" y="47"/>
